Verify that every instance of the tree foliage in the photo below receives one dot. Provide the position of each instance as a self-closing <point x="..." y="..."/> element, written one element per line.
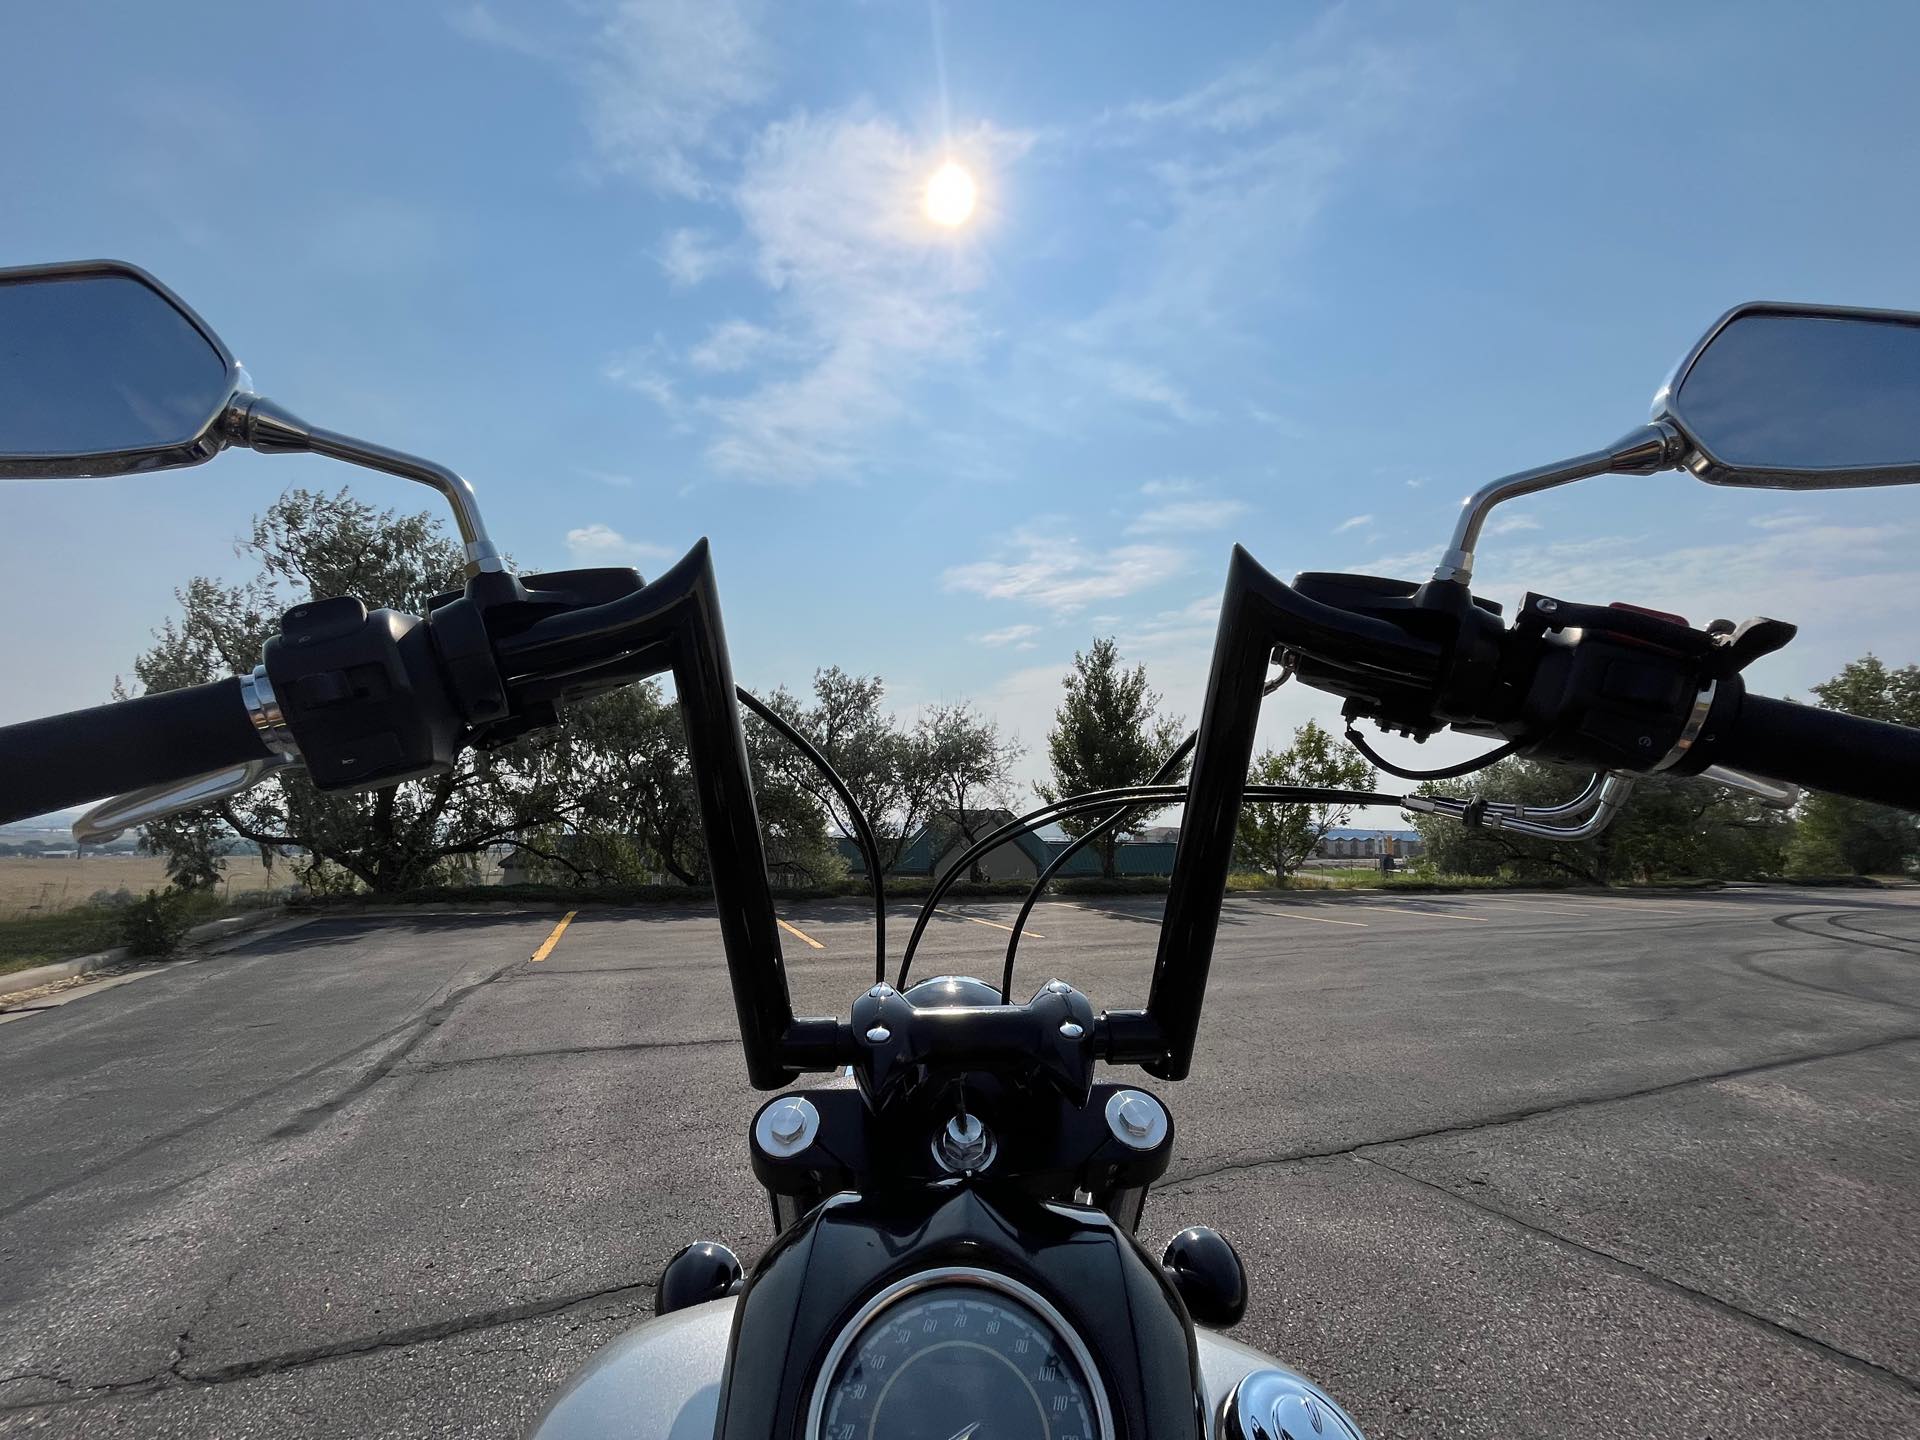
<point x="883" y="761"/>
<point x="310" y="545"/>
<point x="1278" y="838"/>
<point x="967" y="764"/>
<point x="1839" y="835"/>
<point x="1108" y="732"/>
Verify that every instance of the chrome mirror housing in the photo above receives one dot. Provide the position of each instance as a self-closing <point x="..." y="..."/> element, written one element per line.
<point x="1800" y="397"/>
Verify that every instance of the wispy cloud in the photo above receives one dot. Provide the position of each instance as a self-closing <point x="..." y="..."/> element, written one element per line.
<point x="862" y="283"/>
<point x="1353" y="522"/>
<point x="598" y="544"/>
<point x="639" y="372"/>
<point x="1512" y="525"/>
<point x="688" y="256"/>
<point x="666" y="73"/>
<point x="1062" y="576"/>
<point x="1187" y="516"/>
<point x="1177" y="486"/>
<point x="1151" y="388"/>
<point x="1011" y="635"/>
<point x="731" y="345"/>
<point x="661" y="81"/>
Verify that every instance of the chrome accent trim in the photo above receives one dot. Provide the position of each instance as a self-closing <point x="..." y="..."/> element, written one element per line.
<point x="256" y="422"/>
<point x="959" y="1275"/>
<point x="1640" y="452"/>
<point x="1690" y="732"/>
<point x="786" y="1126"/>
<point x="1605" y="800"/>
<point x="263" y="708"/>
<point x="1136" y="1119"/>
<point x="110" y="818"/>
<point x="1777" y="793"/>
<point x="964" y="1146"/>
<point x="1269" y="1404"/>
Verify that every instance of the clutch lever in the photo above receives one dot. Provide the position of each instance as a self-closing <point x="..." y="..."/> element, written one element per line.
<point x="107" y="820"/>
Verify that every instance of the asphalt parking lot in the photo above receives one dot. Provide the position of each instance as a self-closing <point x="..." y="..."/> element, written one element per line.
<point x="1503" y="1165"/>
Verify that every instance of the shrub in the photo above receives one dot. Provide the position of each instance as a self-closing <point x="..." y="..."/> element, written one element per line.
<point x="155" y="924"/>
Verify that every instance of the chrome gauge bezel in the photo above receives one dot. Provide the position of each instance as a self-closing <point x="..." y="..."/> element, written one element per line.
<point x="883" y="1299"/>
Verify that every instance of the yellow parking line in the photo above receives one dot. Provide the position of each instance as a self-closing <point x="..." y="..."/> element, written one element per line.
<point x="990" y="924"/>
<point x="1416" y="910"/>
<point x="796" y="930"/>
<point x="546" y="946"/>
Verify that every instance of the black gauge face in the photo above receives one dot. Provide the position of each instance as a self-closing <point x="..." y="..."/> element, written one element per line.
<point x="959" y="1361"/>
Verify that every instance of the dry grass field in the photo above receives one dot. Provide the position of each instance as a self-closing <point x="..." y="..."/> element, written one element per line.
<point x="30" y="886"/>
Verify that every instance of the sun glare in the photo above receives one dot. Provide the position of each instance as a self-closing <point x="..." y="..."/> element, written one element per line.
<point x="950" y="195"/>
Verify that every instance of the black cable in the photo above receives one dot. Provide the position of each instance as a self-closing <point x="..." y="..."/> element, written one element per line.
<point x="1450" y="772"/>
<point x="1165" y="772"/>
<point x="863" y="832"/>
<point x="1106" y="800"/>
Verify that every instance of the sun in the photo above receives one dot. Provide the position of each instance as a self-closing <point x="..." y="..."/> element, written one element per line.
<point x="951" y="194"/>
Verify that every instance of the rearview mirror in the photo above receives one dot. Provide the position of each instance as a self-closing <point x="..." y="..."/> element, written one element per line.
<point x="1800" y="397"/>
<point x="103" y="370"/>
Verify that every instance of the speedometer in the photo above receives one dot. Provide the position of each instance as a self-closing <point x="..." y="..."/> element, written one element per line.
<point x="959" y="1354"/>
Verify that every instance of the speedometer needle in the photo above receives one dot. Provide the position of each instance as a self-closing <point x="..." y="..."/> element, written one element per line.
<point x="962" y="1435"/>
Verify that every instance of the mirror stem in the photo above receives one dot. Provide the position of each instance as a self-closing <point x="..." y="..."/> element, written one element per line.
<point x="259" y="424"/>
<point x="1641" y="452"/>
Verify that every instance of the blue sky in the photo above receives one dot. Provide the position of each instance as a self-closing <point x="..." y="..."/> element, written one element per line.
<point x="1296" y="275"/>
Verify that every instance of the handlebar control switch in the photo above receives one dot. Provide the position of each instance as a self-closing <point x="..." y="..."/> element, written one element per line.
<point x="361" y="694"/>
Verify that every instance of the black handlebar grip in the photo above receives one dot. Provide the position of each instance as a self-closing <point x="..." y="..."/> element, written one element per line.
<point x="90" y="754"/>
<point x="1822" y="750"/>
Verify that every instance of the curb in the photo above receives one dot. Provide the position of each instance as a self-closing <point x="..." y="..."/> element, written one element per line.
<point x="209" y="933"/>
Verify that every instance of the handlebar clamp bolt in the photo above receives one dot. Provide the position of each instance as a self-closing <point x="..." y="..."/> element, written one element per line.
<point x="1071" y="1029"/>
<point x="879" y="1035"/>
<point x="880" y="991"/>
<point x="1136" y="1119"/>
<point x="1058" y="987"/>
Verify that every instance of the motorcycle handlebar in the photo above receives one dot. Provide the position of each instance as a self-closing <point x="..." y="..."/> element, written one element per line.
<point x="1821" y="749"/>
<point x="85" y="755"/>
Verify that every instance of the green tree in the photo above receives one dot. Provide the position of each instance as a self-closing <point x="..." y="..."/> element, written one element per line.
<point x="968" y="766"/>
<point x="1108" y="732"/>
<point x="310" y="545"/>
<point x="1278" y="838"/>
<point x="1838" y="834"/>
<point x="882" y="761"/>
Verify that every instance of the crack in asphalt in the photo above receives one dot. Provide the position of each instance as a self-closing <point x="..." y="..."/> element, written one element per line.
<point x="424" y="1025"/>
<point x="306" y="1120"/>
<point x="175" y="1376"/>
<point x="1648" y="1275"/>
<point x="429" y="1067"/>
<point x="1514" y="1117"/>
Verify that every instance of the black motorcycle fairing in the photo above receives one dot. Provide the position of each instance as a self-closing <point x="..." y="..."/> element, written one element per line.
<point x="810" y="1283"/>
